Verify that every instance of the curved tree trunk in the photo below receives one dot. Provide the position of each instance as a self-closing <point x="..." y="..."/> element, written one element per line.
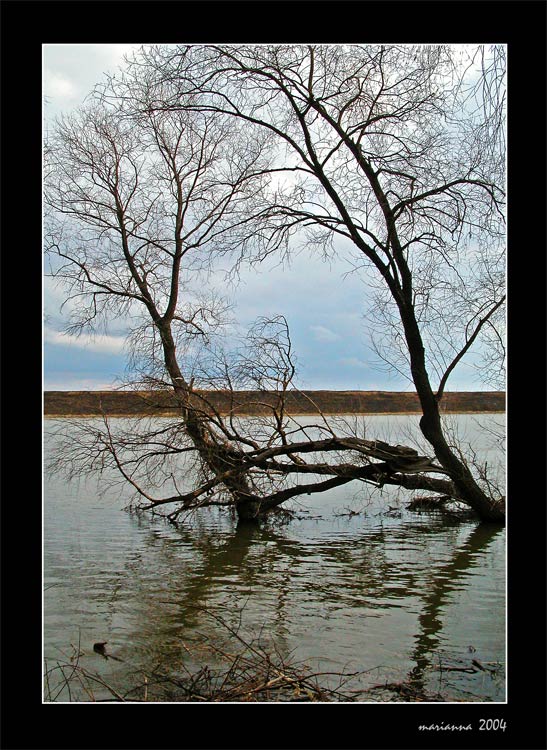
<point x="430" y="424"/>
<point x="401" y="288"/>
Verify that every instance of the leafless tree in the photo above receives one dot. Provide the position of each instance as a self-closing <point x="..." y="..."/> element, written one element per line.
<point x="198" y="151"/>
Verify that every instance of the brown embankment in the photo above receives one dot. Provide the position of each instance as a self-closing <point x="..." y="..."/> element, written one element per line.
<point x="161" y="403"/>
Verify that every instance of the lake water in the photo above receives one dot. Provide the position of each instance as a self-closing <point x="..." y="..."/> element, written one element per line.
<point x="356" y="583"/>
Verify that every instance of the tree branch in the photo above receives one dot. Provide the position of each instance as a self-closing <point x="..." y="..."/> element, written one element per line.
<point x="466" y="348"/>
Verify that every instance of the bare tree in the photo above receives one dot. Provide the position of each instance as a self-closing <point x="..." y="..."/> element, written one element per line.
<point x="198" y="151"/>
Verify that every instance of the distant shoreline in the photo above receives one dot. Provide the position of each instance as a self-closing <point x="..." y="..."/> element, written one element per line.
<point x="59" y="404"/>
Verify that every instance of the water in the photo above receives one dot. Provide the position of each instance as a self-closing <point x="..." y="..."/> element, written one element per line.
<point x="389" y="594"/>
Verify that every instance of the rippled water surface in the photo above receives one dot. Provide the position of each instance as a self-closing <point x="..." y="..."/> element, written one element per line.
<point x="354" y="584"/>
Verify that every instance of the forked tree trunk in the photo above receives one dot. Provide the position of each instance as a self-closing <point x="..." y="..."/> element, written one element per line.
<point x="218" y="458"/>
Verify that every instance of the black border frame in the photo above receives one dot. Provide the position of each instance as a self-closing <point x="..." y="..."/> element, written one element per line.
<point x="26" y="25"/>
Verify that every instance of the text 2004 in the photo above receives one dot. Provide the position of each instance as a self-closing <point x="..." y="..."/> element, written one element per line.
<point x="492" y="725"/>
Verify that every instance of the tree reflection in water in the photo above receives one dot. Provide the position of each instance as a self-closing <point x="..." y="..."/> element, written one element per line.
<point x="469" y="556"/>
<point x="285" y="589"/>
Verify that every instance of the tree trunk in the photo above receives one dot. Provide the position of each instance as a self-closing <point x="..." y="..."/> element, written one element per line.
<point x="248" y="510"/>
<point x="430" y="424"/>
<point x="485" y="507"/>
<point x="217" y="456"/>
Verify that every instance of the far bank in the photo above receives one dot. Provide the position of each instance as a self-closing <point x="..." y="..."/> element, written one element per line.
<point x="254" y="403"/>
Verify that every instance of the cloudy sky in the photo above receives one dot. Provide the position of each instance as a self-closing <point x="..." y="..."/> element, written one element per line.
<point x="323" y="305"/>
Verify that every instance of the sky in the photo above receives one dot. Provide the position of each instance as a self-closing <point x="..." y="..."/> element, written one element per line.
<point x="324" y="306"/>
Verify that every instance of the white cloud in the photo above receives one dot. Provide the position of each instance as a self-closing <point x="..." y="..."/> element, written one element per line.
<point x="353" y="362"/>
<point x="59" y="86"/>
<point x="321" y="333"/>
<point x="71" y="71"/>
<point x="70" y="382"/>
<point x="99" y="343"/>
<point x="114" y="54"/>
